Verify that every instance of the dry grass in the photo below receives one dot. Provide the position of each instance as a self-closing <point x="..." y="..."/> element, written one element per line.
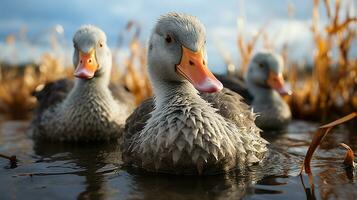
<point x="318" y="138"/>
<point x="135" y="75"/>
<point x="331" y="88"/>
<point x="18" y="83"/>
<point x="246" y="48"/>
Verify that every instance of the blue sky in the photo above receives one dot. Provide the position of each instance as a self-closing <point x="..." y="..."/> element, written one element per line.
<point x="220" y="18"/>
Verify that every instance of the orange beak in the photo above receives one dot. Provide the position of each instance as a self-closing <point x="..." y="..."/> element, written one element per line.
<point x="193" y="67"/>
<point x="276" y="81"/>
<point x="87" y="65"/>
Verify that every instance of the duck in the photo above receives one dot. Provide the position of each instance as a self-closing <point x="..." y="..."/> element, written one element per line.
<point x="263" y="87"/>
<point x="83" y="110"/>
<point x="180" y="131"/>
<point x="266" y="83"/>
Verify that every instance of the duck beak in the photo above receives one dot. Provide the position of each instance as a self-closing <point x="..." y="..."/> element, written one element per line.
<point x="193" y="67"/>
<point x="87" y="65"/>
<point x="276" y="81"/>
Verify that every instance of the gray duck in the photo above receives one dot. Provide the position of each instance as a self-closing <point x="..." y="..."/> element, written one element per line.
<point x="262" y="88"/>
<point x="180" y="131"/>
<point x="86" y="109"/>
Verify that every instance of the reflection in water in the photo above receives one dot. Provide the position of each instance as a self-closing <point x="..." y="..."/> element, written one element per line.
<point x="85" y="160"/>
<point x="234" y="185"/>
<point x="309" y="191"/>
<point x="350" y="173"/>
<point x="188" y="187"/>
<point x="333" y="183"/>
<point x="93" y="171"/>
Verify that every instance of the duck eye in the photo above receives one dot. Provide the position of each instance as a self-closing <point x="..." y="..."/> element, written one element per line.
<point x="100" y="44"/>
<point x="261" y="65"/>
<point x="168" y="39"/>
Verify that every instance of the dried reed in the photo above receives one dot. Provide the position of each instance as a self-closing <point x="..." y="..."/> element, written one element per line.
<point x="332" y="86"/>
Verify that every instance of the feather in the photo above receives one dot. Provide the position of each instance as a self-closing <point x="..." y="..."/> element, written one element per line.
<point x="180" y="144"/>
<point x="176" y="156"/>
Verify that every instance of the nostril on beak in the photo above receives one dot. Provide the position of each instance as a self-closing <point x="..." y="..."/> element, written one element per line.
<point x="191" y="63"/>
<point x="204" y="62"/>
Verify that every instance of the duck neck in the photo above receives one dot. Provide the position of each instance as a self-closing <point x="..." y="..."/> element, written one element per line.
<point x="262" y="93"/>
<point x="167" y="90"/>
<point x="96" y="87"/>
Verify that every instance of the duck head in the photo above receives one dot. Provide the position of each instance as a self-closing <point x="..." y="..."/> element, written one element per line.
<point x="177" y="52"/>
<point x="266" y="71"/>
<point x="91" y="57"/>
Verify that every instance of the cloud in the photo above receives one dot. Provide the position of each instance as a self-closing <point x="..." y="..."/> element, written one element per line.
<point x="220" y="19"/>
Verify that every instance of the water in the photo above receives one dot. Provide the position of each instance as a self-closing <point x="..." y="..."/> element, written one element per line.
<point x="92" y="171"/>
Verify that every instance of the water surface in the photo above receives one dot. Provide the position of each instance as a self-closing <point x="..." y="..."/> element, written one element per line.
<point x="92" y="171"/>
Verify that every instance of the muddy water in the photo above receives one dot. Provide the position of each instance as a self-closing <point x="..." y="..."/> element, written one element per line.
<point x="92" y="171"/>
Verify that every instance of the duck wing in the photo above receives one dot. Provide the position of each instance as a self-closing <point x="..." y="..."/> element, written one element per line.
<point x="51" y="94"/>
<point x="123" y="95"/>
<point x="231" y="106"/>
<point x="237" y="85"/>
<point x="136" y="122"/>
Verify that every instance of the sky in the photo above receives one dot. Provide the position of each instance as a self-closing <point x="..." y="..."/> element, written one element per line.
<point x="39" y="18"/>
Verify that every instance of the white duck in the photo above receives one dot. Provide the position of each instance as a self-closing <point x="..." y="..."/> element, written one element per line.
<point x="88" y="112"/>
<point x="182" y="133"/>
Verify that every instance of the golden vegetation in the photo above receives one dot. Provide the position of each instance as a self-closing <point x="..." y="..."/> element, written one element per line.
<point x="317" y="140"/>
<point x="349" y="157"/>
<point x="18" y="83"/>
<point x="331" y="87"/>
<point x="246" y="48"/>
<point x="135" y="74"/>
<point x="320" y="135"/>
